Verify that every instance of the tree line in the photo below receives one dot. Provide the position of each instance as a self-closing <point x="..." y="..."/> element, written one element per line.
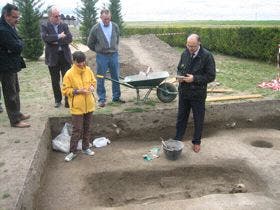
<point x="31" y="13"/>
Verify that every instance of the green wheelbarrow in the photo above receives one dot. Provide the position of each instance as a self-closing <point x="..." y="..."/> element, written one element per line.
<point x="166" y="92"/>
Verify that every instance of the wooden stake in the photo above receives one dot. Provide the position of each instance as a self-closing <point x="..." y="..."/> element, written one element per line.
<point x="226" y="98"/>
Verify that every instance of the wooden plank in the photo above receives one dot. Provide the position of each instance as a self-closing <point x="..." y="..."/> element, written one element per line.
<point x="209" y="90"/>
<point x="219" y="91"/>
<point x="237" y="97"/>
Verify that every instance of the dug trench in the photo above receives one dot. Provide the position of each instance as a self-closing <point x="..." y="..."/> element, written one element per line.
<point x="234" y="152"/>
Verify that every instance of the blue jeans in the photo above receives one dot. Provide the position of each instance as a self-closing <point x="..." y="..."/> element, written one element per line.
<point x="109" y="62"/>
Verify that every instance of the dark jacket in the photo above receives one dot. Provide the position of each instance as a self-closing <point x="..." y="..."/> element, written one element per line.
<point x="50" y="37"/>
<point x="202" y="67"/>
<point x="11" y="47"/>
<point x="98" y="43"/>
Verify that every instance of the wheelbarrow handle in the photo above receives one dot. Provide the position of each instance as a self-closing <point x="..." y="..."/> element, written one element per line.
<point x="113" y="80"/>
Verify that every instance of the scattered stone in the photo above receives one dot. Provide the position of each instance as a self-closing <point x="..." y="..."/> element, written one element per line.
<point x="114" y="125"/>
<point x="239" y="188"/>
<point x="2" y="132"/>
<point x="249" y="120"/>
<point x="231" y="125"/>
<point x="118" y="130"/>
<point x="17" y="141"/>
<point x="2" y="164"/>
<point x="214" y="84"/>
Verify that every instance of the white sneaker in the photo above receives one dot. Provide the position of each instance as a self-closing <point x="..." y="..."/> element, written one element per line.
<point x="70" y="156"/>
<point x="88" y="151"/>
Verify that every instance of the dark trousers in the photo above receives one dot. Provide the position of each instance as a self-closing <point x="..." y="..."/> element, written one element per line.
<point x="198" y="110"/>
<point x="1" y="109"/>
<point x="10" y="87"/>
<point x="55" y="71"/>
<point x="81" y="130"/>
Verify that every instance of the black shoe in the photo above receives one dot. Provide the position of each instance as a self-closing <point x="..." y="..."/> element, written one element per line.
<point x="118" y="101"/>
<point x="57" y="104"/>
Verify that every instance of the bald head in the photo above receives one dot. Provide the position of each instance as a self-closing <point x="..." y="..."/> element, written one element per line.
<point x="193" y="37"/>
<point x="193" y="42"/>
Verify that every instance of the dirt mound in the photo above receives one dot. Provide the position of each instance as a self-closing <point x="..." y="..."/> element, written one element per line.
<point x="137" y="53"/>
<point x="148" y="50"/>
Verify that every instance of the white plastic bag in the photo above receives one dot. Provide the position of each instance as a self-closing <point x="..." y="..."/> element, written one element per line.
<point x="62" y="141"/>
<point x="101" y="142"/>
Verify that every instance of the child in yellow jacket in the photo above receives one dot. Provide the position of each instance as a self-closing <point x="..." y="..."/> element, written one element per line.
<point x="78" y="85"/>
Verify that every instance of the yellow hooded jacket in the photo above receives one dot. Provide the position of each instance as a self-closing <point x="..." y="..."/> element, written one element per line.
<point x="78" y="78"/>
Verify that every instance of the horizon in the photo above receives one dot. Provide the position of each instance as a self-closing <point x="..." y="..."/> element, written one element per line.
<point x="183" y="10"/>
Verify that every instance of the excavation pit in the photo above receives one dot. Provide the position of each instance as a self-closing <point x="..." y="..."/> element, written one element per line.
<point x="262" y="144"/>
<point x="118" y="177"/>
<point x="150" y="186"/>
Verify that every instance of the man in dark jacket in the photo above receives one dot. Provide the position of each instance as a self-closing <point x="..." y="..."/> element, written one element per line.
<point x="195" y="69"/>
<point x="11" y="62"/>
<point x="57" y="38"/>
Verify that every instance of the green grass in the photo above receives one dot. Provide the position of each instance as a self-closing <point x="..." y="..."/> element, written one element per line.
<point x="5" y="195"/>
<point x="244" y="75"/>
<point x="105" y="110"/>
<point x="134" y="109"/>
<point x="148" y="102"/>
<point x="35" y="81"/>
<point x="203" y="23"/>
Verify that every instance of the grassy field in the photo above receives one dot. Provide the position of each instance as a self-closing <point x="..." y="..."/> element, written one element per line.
<point x="204" y="23"/>
<point x="244" y="75"/>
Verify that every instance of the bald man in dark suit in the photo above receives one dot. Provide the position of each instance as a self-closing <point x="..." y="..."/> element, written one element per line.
<point x="57" y="38"/>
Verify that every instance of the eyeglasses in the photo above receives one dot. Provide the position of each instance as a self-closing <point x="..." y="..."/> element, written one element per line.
<point x="56" y="16"/>
<point x="15" y="17"/>
<point x="192" y="46"/>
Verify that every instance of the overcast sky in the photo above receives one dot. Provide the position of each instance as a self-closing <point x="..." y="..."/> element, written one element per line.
<point x="154" y="10"/>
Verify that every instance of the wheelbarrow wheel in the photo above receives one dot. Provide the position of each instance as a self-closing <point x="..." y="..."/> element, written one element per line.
<point x="166" y="92"/>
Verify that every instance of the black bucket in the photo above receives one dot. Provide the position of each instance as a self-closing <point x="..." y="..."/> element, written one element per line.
<point x="172" y="149"/>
